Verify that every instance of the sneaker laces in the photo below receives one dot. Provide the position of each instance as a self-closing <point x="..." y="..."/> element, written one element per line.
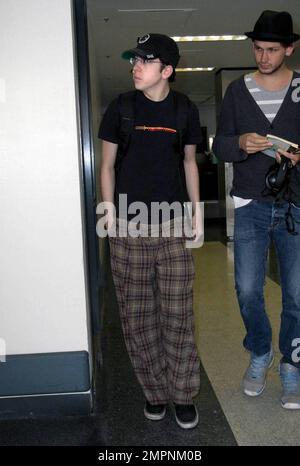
<point x="258" y="365"/>
<point x="291" y="381"/>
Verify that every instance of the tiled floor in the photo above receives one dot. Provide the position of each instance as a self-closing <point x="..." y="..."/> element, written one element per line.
<point x="122" y="406"/>
<point x="254" y="421"/>
<point x="227" y="417"/>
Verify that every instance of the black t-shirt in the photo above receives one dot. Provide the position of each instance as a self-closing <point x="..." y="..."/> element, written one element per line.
<point x="149" y="171"/>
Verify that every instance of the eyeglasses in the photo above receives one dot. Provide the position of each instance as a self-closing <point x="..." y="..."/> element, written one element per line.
<point x="143" y="61"/>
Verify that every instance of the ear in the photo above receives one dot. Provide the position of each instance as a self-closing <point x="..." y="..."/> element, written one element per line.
<point x="289" y="50"/>
<point x="167" y="71"/>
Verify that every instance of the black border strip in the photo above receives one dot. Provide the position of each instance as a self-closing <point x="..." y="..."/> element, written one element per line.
<point x="33" y="407"/>
<point x="94" y="272"/>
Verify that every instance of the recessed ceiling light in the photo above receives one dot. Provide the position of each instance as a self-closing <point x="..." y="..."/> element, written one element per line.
<point x="208" y="38"/>
<point x="158" y="10"/>
<point x="209" y="68"/>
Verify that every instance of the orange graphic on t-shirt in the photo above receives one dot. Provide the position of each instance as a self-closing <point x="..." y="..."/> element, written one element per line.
<point x="156" y="128"/>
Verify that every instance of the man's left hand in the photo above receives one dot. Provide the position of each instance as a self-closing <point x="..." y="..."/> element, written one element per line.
<point x="294" y="157"/>
<point x="198" y="228"/>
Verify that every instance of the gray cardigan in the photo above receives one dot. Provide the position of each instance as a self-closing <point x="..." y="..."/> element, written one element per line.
<point x="240" y="114"/>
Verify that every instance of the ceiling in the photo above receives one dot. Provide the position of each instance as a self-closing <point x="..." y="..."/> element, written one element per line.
<point x="114" y="31"/>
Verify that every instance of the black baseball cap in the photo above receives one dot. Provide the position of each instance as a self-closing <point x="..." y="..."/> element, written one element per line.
<point x="155" y="46"/>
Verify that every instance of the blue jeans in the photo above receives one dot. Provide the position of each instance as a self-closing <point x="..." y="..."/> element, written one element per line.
<point x="256" y="224"/>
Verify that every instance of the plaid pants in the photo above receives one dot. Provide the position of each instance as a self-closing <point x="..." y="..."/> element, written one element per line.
<point x="153" y="279"/>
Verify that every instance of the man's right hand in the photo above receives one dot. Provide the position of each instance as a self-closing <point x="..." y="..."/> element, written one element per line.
<point x="253" y="142"/>
<point x="110" y="216"/>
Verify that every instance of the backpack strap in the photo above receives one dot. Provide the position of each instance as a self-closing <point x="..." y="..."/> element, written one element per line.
<point x="126" y="104"/>
<point x="182" y="108"/>
<point x="126" y="111"/>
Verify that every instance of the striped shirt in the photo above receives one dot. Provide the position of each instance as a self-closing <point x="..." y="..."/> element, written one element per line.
<point x="240" y="114"/>
<point x="269" y="102"/>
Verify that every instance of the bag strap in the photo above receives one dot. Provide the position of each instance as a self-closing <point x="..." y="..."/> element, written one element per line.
<point x="182" y="107"/>
<point x="126" y="104"/>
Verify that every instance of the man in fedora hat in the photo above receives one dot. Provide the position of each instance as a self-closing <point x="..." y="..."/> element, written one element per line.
<point x="266" y="198"/>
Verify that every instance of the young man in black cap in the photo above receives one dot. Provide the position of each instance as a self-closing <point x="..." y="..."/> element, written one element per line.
<point x="153" y="276"/>
<point x="266" y="198"/>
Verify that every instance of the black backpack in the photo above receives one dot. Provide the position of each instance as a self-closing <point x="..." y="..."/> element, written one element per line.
<point x="283" y="182"/>
<point x="126" y="106"/>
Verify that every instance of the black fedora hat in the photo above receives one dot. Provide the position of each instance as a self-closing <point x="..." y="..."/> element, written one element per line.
<point x="274" y="26"/>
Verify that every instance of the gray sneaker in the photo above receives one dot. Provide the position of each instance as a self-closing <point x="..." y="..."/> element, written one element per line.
<point x="254" y="380"/>
<point x="290" y="379"/>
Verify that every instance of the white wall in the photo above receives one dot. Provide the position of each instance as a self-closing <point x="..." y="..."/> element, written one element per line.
<point x="42" y="285"/>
